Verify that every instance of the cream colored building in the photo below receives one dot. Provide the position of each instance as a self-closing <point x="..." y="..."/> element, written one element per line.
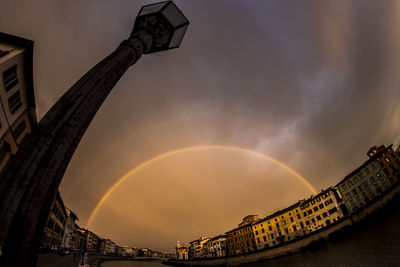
<point x="182" y="251"/>
<point x="17" y="101"/>
<point x="363" y="185"/>
<point x="321" y="210"/>
<point x="297" y="220"/>
<point x="216" y="247"/>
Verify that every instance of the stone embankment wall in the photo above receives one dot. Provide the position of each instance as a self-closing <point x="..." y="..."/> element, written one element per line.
<point x="294" y="246"/>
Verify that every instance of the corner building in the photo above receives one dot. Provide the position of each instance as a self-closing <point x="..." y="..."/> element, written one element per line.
<point x="241" y="239"/>
<point x="388" y="160"/>
<point x="17" y="101"/>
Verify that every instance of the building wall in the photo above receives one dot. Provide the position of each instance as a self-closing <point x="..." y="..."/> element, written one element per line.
<point x="321" y="210"/>
<point x="196" y="248"/>
<point x="388" y="160"/>
<point x="182" y="252"/>
<point x="216" y="247"/>
<point x="54" y="229"/>
<point x="297" y="220"/>
<point x="70" y="231"/>
<point x="240" y="240"/>
<point x="363" y="186"/>
<point x="15" y="123"/>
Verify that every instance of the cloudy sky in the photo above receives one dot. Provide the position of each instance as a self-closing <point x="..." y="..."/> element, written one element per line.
<point x="312" y="84"/>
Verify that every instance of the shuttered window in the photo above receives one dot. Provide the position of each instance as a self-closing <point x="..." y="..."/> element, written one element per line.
<point x="10" y="78"/>
<point x="14" y="102"/>
<point x="20" y="129"/>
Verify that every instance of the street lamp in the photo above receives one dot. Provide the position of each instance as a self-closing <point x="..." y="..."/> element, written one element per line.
<point x="165" y="22"/>
<point x="28" y="185"/>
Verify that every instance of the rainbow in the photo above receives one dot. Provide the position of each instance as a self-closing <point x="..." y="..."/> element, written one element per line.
<point x="194" y="148"/>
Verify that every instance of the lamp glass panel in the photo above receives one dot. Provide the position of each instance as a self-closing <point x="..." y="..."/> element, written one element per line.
<point x="178" y="36"/>
<point x="152" y="8"/>
<point x="174" y="15"/>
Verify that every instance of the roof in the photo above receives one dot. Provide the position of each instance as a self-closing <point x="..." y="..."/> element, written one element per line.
<point x="240" y="227"/>
<point x="28" y="69"/>
<point x="217" y="237"/>
<point x="317" y="195"/>
<point x="372" y="159"/>
<point x="279" y="212"/>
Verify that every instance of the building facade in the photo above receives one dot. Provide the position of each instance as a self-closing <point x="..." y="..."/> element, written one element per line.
<point x="17" y="109"/>
<point x="55" y="226"/>
<point x="241" y="239"/>
<point x="388" y="160"/>
<point x="216" y="247"/>
<point x="277" y="228"/>
<point x="92" y="241"/>
<point x="298" y="220"/>
<point x="321" y="210"/>
<point x="182" y="251"/>
<point x="70" y="232"/>
<point x="363" y="185"/>
<point x="196" y="250"/>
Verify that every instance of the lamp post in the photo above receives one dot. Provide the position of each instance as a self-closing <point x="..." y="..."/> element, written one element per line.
<point x="30" y="182"/>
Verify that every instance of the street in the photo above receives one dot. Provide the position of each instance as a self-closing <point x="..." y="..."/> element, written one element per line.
<point x="54" y="260"/>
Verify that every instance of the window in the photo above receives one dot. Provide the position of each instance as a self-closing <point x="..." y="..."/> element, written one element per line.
<point x="262" y="230"/>
<point x="298" y="216"/>
<point x="20" y="129"/>
<point x="321" y="206"/>
<point x="309" y="211"/>
<point x="313" y="220"/>
<point x="14" y="102"/>
<point x="5" y="148"/>
<point x="315" y="208"/>
<point x="265" y="238"/>
<point x="291" y="219"/>
<point x="256" y="232"/>
<point x="307" y="222"/>
<point x="3" y="53"/>
<point x="332" y="210"/>
<point x="10" y="78"/>
<point x="325" y="214"/>
<point x="319" y="218"/>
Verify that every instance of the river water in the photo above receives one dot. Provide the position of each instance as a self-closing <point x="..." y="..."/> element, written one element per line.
<point x="374" y="243"/>
<point x="132" y="264"/>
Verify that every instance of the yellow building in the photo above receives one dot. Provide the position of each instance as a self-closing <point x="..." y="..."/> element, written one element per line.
<point x="277" y="228"/>
<point x="297" y="220"/>
<point x="17" y="109"/>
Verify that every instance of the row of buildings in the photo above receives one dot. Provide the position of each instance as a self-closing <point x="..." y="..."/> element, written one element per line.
<point x="358" y="189"/>
<point x="63" y="233"/>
